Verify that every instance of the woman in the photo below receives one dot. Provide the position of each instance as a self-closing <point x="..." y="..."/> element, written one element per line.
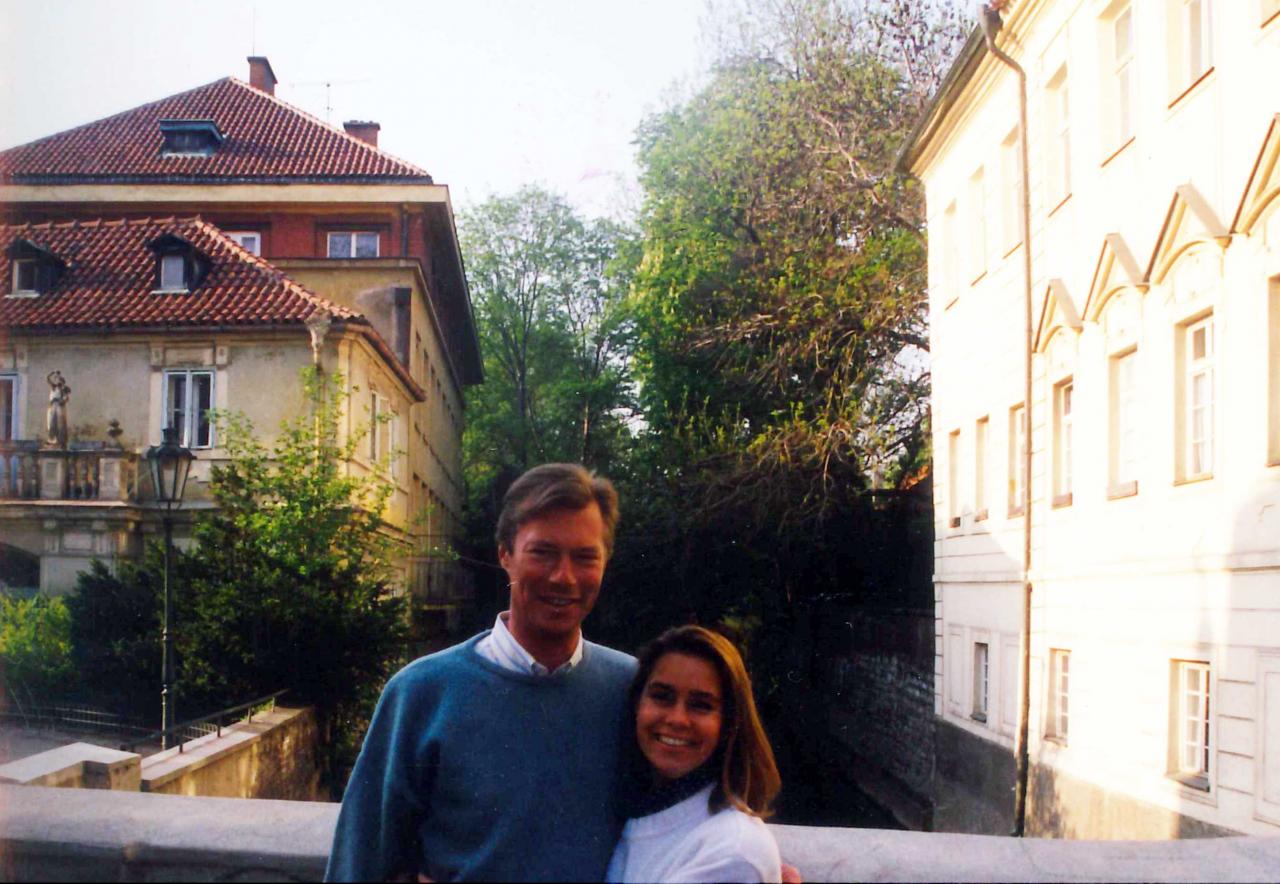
<point x="704" y="774"/>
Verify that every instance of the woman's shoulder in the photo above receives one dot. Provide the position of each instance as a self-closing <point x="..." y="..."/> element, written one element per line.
<point x="732" y="833"/>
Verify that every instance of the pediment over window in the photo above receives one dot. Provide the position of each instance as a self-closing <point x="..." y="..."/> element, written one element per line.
<point x="1116" y="269"/>
<point x="1264" y="182"/>
<point x="1058" y="312"/>
<point x="180" y="266"/>
<point x="1190" y="220"/>
<point x="35" y="269"/>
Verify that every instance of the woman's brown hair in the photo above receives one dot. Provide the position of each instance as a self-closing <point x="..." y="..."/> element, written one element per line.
<point x="749" y="778"/>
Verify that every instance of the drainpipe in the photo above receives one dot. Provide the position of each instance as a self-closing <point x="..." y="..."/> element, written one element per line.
<point x="991" y="25"/>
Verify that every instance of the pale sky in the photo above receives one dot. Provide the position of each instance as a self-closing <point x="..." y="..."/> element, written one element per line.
<point x="484" y="94"/>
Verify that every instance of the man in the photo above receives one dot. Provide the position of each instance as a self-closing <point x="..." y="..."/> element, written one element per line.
<point x="496" y="759"/>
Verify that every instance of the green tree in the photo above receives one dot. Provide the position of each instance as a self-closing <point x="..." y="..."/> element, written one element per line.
<point x="289" y="583"/>
<point x="35" y="646"/>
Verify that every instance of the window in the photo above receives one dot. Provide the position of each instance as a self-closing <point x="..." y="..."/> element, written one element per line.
<point x="378" y="406"/>
<point x="173" y="273"/>
<point x="950" y="255"/>
<point x="1123" y="94"/>
<point x="353" y="244"/>
<point x="980" y="431"/>
<point x="190" y="137"/>
<point x="188" y="398"/>
<point x="8" y="407"/>
<point x="1017" y="455"/>
<point x="1197" y="399"/>
<point x="1058" y="137"/>
<point x="1189" y="735"/>
<point x="1059" y="684"/>
<point x="1062" y="442"/>
<point x="249" y="240"/>
<point x="953" y="478"/>
<point x="1011" y="190"/>
<point x="25" y="275"/>
<point x="977" y="247"/>
<point x="981" y="679"/>
<point x="1124" y="424"/>
<point x="1196" y="22"/>
<point x="1273" y="374"/>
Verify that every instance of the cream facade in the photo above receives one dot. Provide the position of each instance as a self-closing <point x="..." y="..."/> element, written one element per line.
<point x="1154" y="161"/>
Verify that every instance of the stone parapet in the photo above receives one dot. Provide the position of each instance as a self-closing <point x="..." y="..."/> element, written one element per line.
<point x="76" y="766"/>
<point x="65" y="834"/>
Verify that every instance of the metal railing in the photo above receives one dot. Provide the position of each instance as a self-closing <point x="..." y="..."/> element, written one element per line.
<point x="206" y="725"/>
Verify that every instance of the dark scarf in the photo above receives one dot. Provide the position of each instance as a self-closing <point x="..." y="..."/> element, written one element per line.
<point x="640" y="797"/>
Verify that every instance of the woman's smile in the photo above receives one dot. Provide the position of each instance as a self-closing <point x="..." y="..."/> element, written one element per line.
<point x="678" y="718"/>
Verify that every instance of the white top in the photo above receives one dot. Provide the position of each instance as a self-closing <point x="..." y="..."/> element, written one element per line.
<point x="686" y="842"/>
<point x="501" y="648"/>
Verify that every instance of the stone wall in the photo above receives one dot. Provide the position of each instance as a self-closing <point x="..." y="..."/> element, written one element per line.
<point x="273" y="756"/>
<point x="75" y="834"/>
<point x="973" y="787"/>
<point x="873" y="672"/>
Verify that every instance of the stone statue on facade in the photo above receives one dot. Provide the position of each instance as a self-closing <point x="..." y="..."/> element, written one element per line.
<point x="56" y="418"/>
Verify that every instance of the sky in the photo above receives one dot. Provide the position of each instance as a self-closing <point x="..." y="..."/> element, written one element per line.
<point x="485" y="95"/>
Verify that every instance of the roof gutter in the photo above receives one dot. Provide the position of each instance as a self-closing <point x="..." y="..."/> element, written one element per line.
<point x="926" y="128"/>
<point x="990" y="26"/>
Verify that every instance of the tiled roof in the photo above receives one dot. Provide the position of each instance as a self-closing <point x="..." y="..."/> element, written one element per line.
<point x="110" y="280"/>
<point x="266" y="140"/>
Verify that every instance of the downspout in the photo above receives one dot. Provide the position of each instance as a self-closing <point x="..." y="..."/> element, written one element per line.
<point x="991" y="25"/>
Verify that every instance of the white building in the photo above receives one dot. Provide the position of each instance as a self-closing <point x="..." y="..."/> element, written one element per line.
<point x="1154" y="677"/>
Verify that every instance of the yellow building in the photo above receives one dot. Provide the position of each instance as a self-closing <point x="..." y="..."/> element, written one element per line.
<point x="1154" y="486"/>
<point x="197" y="252"/>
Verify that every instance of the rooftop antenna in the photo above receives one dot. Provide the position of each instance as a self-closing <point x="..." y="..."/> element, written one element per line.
<point x="328" y="91"/>
<point x="253" y="29"/>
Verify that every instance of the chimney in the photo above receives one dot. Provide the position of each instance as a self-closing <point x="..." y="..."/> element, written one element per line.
<point x="260" y="74"/>
<point x="365" y="130"/>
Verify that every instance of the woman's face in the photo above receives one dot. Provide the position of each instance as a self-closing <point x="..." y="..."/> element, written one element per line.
<point x="678" y="718"/>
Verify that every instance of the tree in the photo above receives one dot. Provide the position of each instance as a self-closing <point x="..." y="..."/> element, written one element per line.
<point x="35" y="646"/>
<point x="289" y="581"/>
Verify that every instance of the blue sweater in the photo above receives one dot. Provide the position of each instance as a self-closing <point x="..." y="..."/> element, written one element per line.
<point x="473" y="772"/>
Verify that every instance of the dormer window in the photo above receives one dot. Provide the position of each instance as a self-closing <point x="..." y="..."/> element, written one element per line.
<point x="190" y="137"/>
<point x="179" y="265"/>
<point x="35" y="269"/>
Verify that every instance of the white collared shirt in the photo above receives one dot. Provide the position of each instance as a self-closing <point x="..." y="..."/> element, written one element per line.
<point x="501" y="648"/>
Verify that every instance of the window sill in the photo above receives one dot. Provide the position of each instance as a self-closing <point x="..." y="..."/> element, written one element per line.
<point x="1122" y="489"/>
<point x="1062" y="202"/>
<point x="1061" y="500"/>
<point x="1191" y="480"/>
<point x="953" y="522"/>
<point x="1015" y="511"/>
<point x="1055" y="740"/>
<point x="980" y="515"/>
<point x="1191" y="87"/>
<point x="1119" y="150"/>
<point x="952" y="303"/>
<point x="171" y="291"/>
<point x="979" y="716"/>
<point x="1011" y="249"/>
<point x="1199" y="782"/>
<point x="23" y="294"/>
<point x="977" y="279"/>
<point x="1273" y="461"/>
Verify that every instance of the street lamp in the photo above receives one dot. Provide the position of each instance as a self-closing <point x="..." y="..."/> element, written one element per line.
<point x="169" y="463"/>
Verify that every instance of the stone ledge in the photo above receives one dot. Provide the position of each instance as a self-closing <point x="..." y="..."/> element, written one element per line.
<point x="76" y="765"/>
<point x="59" y="834"/>
<point x="170" y="764"/>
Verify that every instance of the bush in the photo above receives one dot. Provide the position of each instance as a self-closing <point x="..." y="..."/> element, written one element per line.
<point x="35" y="646"/>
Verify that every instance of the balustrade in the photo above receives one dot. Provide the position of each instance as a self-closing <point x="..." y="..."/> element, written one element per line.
<point x="85" y="471"/>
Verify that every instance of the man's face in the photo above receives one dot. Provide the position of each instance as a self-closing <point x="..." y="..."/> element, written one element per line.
<point x="555" y="567"/>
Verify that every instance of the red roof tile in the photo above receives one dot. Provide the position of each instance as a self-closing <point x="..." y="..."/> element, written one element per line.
<point x="266" y="140"/>
<point x="110" y="280"/>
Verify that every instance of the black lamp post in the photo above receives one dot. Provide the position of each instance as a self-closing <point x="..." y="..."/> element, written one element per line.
<point x="169" y="463"/>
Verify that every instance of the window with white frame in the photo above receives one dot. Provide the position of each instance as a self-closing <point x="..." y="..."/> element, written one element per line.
<point x="1017" y="455"/>
<point x="1058" y="137"/>
<point x="379" y="407"/>
<point x="1190" y="743"/>
<point x="353" y="244"/>
<point x="980" y="432"/>
<point x="1124" y="424"/>
<point x="249" y="240"/>
<point x="173" y="273"/>
<point x="1122" y="100"/>
<point x="1193" y="24"/>
<point x="26" y="273"/>
<point x="981" y="679"/>
<point x="1011" y="190"/>
<point x="8" y="407"/>
<point x="1063" y="426"/>
<point x="188" y="397"/>
<point x="1197" y="398"/>
<point x="953" y="478"/>
<point x="1058" y="708"/>
<point x="977" y="225"/>
<point x="950" y="255"/>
